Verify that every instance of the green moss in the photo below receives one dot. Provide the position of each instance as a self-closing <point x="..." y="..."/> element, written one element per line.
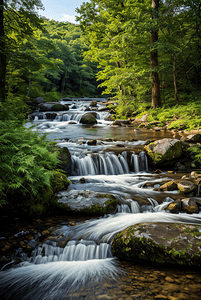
<point x="165" y="159"/>
<point x="126" y="245"/>
<point x="95" y="209"/>
<point x="57" y="107"/>
<point x="59" y="182"/>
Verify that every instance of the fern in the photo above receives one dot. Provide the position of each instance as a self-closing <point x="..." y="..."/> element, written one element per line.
<point x="27" y="166"/>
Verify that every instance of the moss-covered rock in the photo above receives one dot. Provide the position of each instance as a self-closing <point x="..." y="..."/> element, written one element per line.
<point x="86" y="202"/>
<point x="53" y="106"/>
<point x="177" y="244"/>
<point x="65" y="160"/>
<point x="186" y="186"/>
<point x="164" y="152"/>
<point x="88" y="119"/>
<point x="59" y="182"/>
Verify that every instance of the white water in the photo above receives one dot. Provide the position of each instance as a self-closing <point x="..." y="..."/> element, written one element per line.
<point x="52" y="271"/>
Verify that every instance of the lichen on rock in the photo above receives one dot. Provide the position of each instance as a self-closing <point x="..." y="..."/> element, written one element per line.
<point x="164" y="152"/>
<point x="160" y="243"/>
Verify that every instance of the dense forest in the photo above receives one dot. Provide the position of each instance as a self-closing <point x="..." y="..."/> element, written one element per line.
<point x="147" y="50"/>
<point x="143" y="54"/>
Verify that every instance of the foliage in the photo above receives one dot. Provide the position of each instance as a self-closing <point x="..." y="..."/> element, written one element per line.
<point x="50" y="63"/>
<point x="195" y="153"/>
<point x="27" y="168"/>
<point x="119" y="37"/>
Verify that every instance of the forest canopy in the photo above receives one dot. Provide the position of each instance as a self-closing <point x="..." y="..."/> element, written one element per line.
<point x="147" y="50"/>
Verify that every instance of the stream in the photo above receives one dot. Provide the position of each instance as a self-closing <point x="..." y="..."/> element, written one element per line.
<point x="64" y="257"/>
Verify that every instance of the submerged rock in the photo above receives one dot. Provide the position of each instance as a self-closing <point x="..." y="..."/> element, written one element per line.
<point x="164" y="152"/>
<point x="160" y="243"/>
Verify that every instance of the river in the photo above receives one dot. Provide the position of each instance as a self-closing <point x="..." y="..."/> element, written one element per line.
<point x="64" y="257"/>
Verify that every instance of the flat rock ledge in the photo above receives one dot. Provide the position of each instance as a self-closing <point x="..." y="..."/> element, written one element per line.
<point x="86" y="202"/>
<point x="177" y="244"/>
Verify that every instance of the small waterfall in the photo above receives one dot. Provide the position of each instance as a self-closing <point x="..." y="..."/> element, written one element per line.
<point x="139" y="162"/>
<point x="107" y="164"/>
<point x="123" y="208"/>
<point x="73" y="251"/>
<point x="135" y="208"/>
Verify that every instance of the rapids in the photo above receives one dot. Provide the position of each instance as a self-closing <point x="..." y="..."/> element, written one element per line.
<point x="85" y="262"/>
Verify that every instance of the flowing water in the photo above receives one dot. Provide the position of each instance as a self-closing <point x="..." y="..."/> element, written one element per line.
<point x="76" y="262"/>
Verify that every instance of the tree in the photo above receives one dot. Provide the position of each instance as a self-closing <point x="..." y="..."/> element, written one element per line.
<point x="119" y="35"/>
<point x="155" y="81"/>
<point x="19" y="18"/>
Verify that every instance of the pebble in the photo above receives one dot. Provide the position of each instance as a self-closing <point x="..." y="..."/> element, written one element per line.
<point x="45" y="232"/>
<point x="169" y="279"/>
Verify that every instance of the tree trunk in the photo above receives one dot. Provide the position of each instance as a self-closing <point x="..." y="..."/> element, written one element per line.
<point x="175" y="81"/>
<point x="2" y="55"/>
<point x="155" y="81"/>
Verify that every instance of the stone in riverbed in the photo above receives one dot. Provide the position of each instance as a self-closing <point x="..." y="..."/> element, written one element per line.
<point x="169" y="186"/>
<point x="186" y="186"/>
<point x="86" y="202"/>
<point x="160" y="243"/>
<point x="121" y="122"/>
<point x="164" y="152"/>
<point x="174" y="207"/>
<point x="189" y="206"/>
<point x="88" y="119"/>
<point x="193" y="138"/>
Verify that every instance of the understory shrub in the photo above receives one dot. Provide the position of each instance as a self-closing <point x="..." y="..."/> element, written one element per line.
<point x="28" y="169"/>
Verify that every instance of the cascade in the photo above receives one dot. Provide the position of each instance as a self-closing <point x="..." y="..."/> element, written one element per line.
<point x="139" y="162"/>
<point x="52" y="271"/>
<point x="107" y="164"/>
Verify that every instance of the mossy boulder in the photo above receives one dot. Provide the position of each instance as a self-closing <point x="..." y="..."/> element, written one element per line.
<point x="193" y="138"/>
<point x="86" y="202"/>
<point x="169" y="186"/>
<point x="177" y="244"/>
<point x="164" y="152"/>
<point x="53" y="106"/>
<point x="186" y="186"/>
<point x="88" y="119"/>
<point x="65" y="160"/>
<point x="59" y="182"/>
<point x="189" y="206"/>
<point x="174" y="207"/>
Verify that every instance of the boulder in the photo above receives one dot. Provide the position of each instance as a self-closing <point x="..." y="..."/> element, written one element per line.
<point x="164" y="152"/>
<point x="38" y="100"/>
<point x="92" y="142"/>
<point x="186" y="186"/>
<point x="53" y="106"/>
<point x="193" y="138"/>
<point x="88" y="119"/>
<point x="120" y="122"/>
<point x="163" y="243"/>
<point x="103" y="108"/>
<point x="93" y="104"/>
<point x="189" y="206"/>
<point x="86" y="202"/>
<point x="169" y="186"/>
<point x="174" y="207"/>
<point x="65" y="160"/>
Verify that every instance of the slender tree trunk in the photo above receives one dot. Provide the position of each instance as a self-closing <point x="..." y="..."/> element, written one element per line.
<point x="2" y="55"/>
<point x="175" y="81"/>
<point x="29" y="86"/>
<point x="155" y="81"/>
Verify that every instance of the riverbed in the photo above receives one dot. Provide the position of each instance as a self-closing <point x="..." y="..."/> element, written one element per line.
<point x="67" y="257"/>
